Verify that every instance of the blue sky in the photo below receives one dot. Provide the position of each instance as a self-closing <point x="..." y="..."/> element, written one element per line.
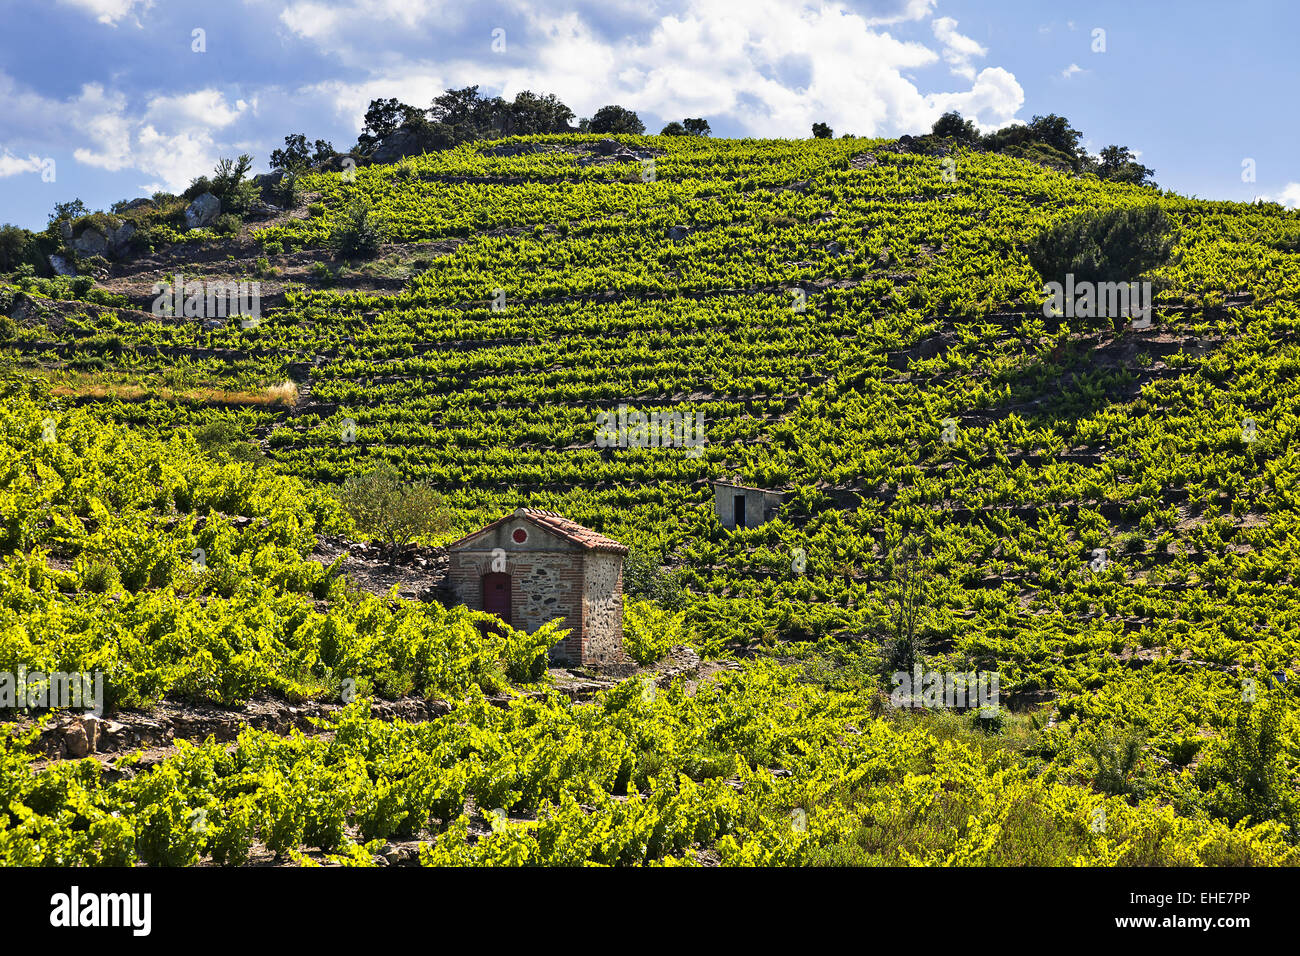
<point x="108" y="99"/>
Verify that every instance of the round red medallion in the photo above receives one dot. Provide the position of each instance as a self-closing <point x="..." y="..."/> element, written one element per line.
<point x="520" y="535"/>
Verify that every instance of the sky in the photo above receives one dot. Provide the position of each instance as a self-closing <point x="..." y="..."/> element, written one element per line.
<point x="112" y="99"/>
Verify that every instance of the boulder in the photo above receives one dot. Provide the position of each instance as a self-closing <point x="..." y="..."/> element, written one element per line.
<point x="205" y="208"/>
<point x="263" y="210"/>
<point x="61" y="266"/>
<point x="121" y="237"/>
<point x="92" y="242"/>
<point x="21" y="307"/>
<point x="678" y="232"/>
<point x="65" y="230"/>
<point x="397" y="145"/>
<point x="268" y="183"/>
<point x="607" y="147"/>
<point x="77" y="741"/>
<point x="138" y="204"/>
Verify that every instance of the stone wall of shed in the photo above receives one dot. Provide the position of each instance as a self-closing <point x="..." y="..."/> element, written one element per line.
<point x="603" y="609"/>
<point x="544" y="585"/>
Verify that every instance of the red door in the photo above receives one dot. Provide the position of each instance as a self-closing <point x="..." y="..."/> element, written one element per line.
<point x="496" y="595"/>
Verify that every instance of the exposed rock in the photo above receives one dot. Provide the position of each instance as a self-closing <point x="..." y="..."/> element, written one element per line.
<point x="76" y="741"/>
<point x="263" y="210"/>
<point x="397" y="145"/>
<point x="92" y="242"/>
<point x="607" y="147"/>
<point x="61" y="266"/>
<point x="267" y="182"/>
<point x="120" y="239"/>
<point x="65" y="230"/>
<point x="205" y="208"/>
<point x="627" y="156"/>
<point x="678" y="232"/>
<point x="21" y="307"/>
<point x="138" y="204"/>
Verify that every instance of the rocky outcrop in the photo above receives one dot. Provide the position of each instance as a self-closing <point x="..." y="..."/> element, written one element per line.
<point x="397" y="145"/>
<point x="92" y="242"/>
<point x="107" y="241"/>
<point x="203" y="210"/>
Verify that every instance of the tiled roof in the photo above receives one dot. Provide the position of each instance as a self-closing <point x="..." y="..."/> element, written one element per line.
<point x="732" y="484"/>
<point x="557" y="524"/>
<point x="578" y="534"/>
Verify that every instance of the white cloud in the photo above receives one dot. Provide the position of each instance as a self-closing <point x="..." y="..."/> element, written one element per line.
<point x="1070" y="70"/>
<point x="771" y="67"/>
<point x="907" y="10"/>
<point x="11" y="165"/>
<point x="173" y="138"/>
<point x="1290" y="196"/>
<point x="201" y="109"/>
<point x="337" y="22"/>
<point x="958" y="49"/>
<point x="99" y="115"/>
<point x="110" y="11"/>
<point x="753" y="67"/>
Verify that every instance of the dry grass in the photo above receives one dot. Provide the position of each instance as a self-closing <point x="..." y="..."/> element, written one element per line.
<point x="82" y="386"/>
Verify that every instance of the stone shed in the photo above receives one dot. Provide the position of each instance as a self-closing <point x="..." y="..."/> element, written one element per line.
<point x="739" y="506"/>
<point x="533" y="566"/>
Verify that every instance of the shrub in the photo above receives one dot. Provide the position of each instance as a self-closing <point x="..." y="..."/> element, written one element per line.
<point x="645" y="579"/>
<point x="1113" y="245"/>
<point x="13" y="246"/>
<point x="100" y="577"/>
<point x="905" y="644"/>
<point x="616" y="119"/>
<point x="227" y="224"/>
<point x="381" y="504"/>
<point x="1246" y="777"/>
<point x="524" y="654"/>
<point x="1115" y="760"/>
<point x="359" y="231"/>
<point x="236" y="193"/>
<point x="287" y="191"/>
<point x="224" y="439"/>
<point x="649" y="631"/>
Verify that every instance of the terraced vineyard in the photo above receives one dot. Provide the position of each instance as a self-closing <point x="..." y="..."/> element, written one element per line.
<point x="1107" y="519"/>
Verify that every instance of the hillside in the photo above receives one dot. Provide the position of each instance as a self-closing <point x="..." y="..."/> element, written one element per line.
<point x="1104" y="515"/>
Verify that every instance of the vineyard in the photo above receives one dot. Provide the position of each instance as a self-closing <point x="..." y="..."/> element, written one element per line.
<point x="1104" y="515"/>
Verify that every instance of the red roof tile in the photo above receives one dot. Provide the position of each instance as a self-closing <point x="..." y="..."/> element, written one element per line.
<point x="558" y="524"/>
